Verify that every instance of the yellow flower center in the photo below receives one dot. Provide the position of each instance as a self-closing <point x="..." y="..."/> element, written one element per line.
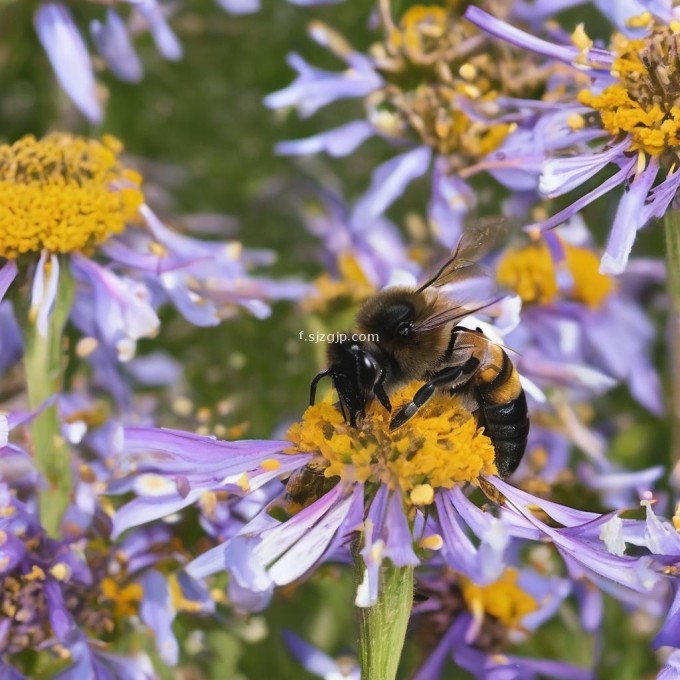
<point x="503" y="599"/>
<point x="439" y="68"/>
<point x="645" y="102"/>
<point x="352" y="287"/>
<point x="63" y="193"/>
<point x="440" y="447"/>
<point x="530" y="272"/>
<point x="126" y="599"/>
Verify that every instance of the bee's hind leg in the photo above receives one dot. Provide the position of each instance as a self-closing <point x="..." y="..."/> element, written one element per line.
<point x="451" y="374"/>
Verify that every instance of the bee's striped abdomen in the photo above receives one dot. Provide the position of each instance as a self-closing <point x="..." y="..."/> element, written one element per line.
<point x="504" y="411"/>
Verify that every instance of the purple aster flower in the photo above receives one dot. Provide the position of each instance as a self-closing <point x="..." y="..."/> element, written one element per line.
<point x="483" y="665"/>
<point x="349" y="487"/>
<point x="358" y="258"/>
<point x="62" y="597"/>
<point x="500" y="613"/>
<point x="147" y="263"/>
<point x="430" y="89"/>
<point x="67" y="199"/>
<point x="624" y="108"/>
<point x="569" y="314"/>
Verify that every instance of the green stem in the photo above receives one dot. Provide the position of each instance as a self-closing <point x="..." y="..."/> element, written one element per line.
<point x="44" y="377"/>
<point x="382" y="628"/>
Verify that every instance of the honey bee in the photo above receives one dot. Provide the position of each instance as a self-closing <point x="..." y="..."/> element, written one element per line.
<point x="420" y="339"/>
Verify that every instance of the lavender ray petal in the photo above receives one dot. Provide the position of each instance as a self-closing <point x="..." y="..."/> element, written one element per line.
<point x="69" y="57"/>
<point x="627" y="221"/>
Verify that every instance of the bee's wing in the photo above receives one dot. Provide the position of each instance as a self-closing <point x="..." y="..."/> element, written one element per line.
<point x="489" y="340"/>
<point x="473" y="243"/>
<point x="450" y="314"/>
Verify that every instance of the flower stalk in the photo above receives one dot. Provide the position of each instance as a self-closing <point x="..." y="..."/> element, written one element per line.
<point x="44" y="376"/>
<point x="382" y="627"/>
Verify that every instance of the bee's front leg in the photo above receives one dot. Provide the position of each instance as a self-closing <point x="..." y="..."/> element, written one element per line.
<point x="451" y="374"/>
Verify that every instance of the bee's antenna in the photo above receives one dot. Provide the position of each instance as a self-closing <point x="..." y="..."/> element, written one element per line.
<point x="312" y="387"/>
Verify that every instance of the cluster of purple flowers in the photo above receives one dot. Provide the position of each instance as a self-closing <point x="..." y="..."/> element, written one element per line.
<point x="91" y="488"/>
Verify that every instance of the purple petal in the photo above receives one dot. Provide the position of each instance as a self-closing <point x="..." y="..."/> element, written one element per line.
<point x="399" y="543"/>
<point x="451" y="200"/>
<point x="8" y="273"/>
<point x="302" y="556"/>
<point x="389" y="181"/>
<point x="671" y="669"/>
<point x="239" y="7"/>
<point x="155" y="369"/>
<point x="561" y="175"/>
<point x="582" y="550"/>
<point x="44" y="290"/>
<point x="376" y="514"/>
<point x="669" y="635"/>
<point x="627" y="221"/>
<point x="123" y="312"/>
<point x="113" y="43"/>
<point x="621" y="11"/>
<point x="11" y="340"/>
<point x="250" y="586"/>
<point x="199" y="312"/>
<point x="488" y="23"/>
<point x="591" y="604"/>
<point x="338" y="142"/>
<point x="458" y="551"/>
<point x="69" y="57"/>
<point x="563" y="514"/>
<point x="8" y="672"/>
<point x="434" y="665"/>
<point x="660" y="197"/>
<point x="142" y="510"/>
<point x="661" y="537"/>
<point x="284" y="536"/>
<point x="492" y="532"/>
<point x="538" y="11"/>
<point x="158" y="613"/>
<point x="163" y="36"/>
<point x="311" y="658"/>
<point x="315" y="88"/>
<point x="609" y="184"/>
<point x="61" y="620"/>
<point x="198" y="450"/>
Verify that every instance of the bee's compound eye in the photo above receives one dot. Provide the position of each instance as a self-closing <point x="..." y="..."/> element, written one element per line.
<point x="368" y="364"/>
<point x="404" y="328"/>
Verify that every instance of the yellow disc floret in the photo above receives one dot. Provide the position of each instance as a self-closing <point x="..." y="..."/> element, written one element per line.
<point x="440" y="447"/>
<point x="504" y="599"/>
<point x="530" y="272"/>
<point x="643" y="103"/>
<point x="63" y="193"/>
<point x="351" y="286"/>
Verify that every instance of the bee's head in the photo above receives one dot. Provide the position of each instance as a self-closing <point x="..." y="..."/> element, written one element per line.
<point x="391" y="313"/>
<point x="357" y="375"/>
